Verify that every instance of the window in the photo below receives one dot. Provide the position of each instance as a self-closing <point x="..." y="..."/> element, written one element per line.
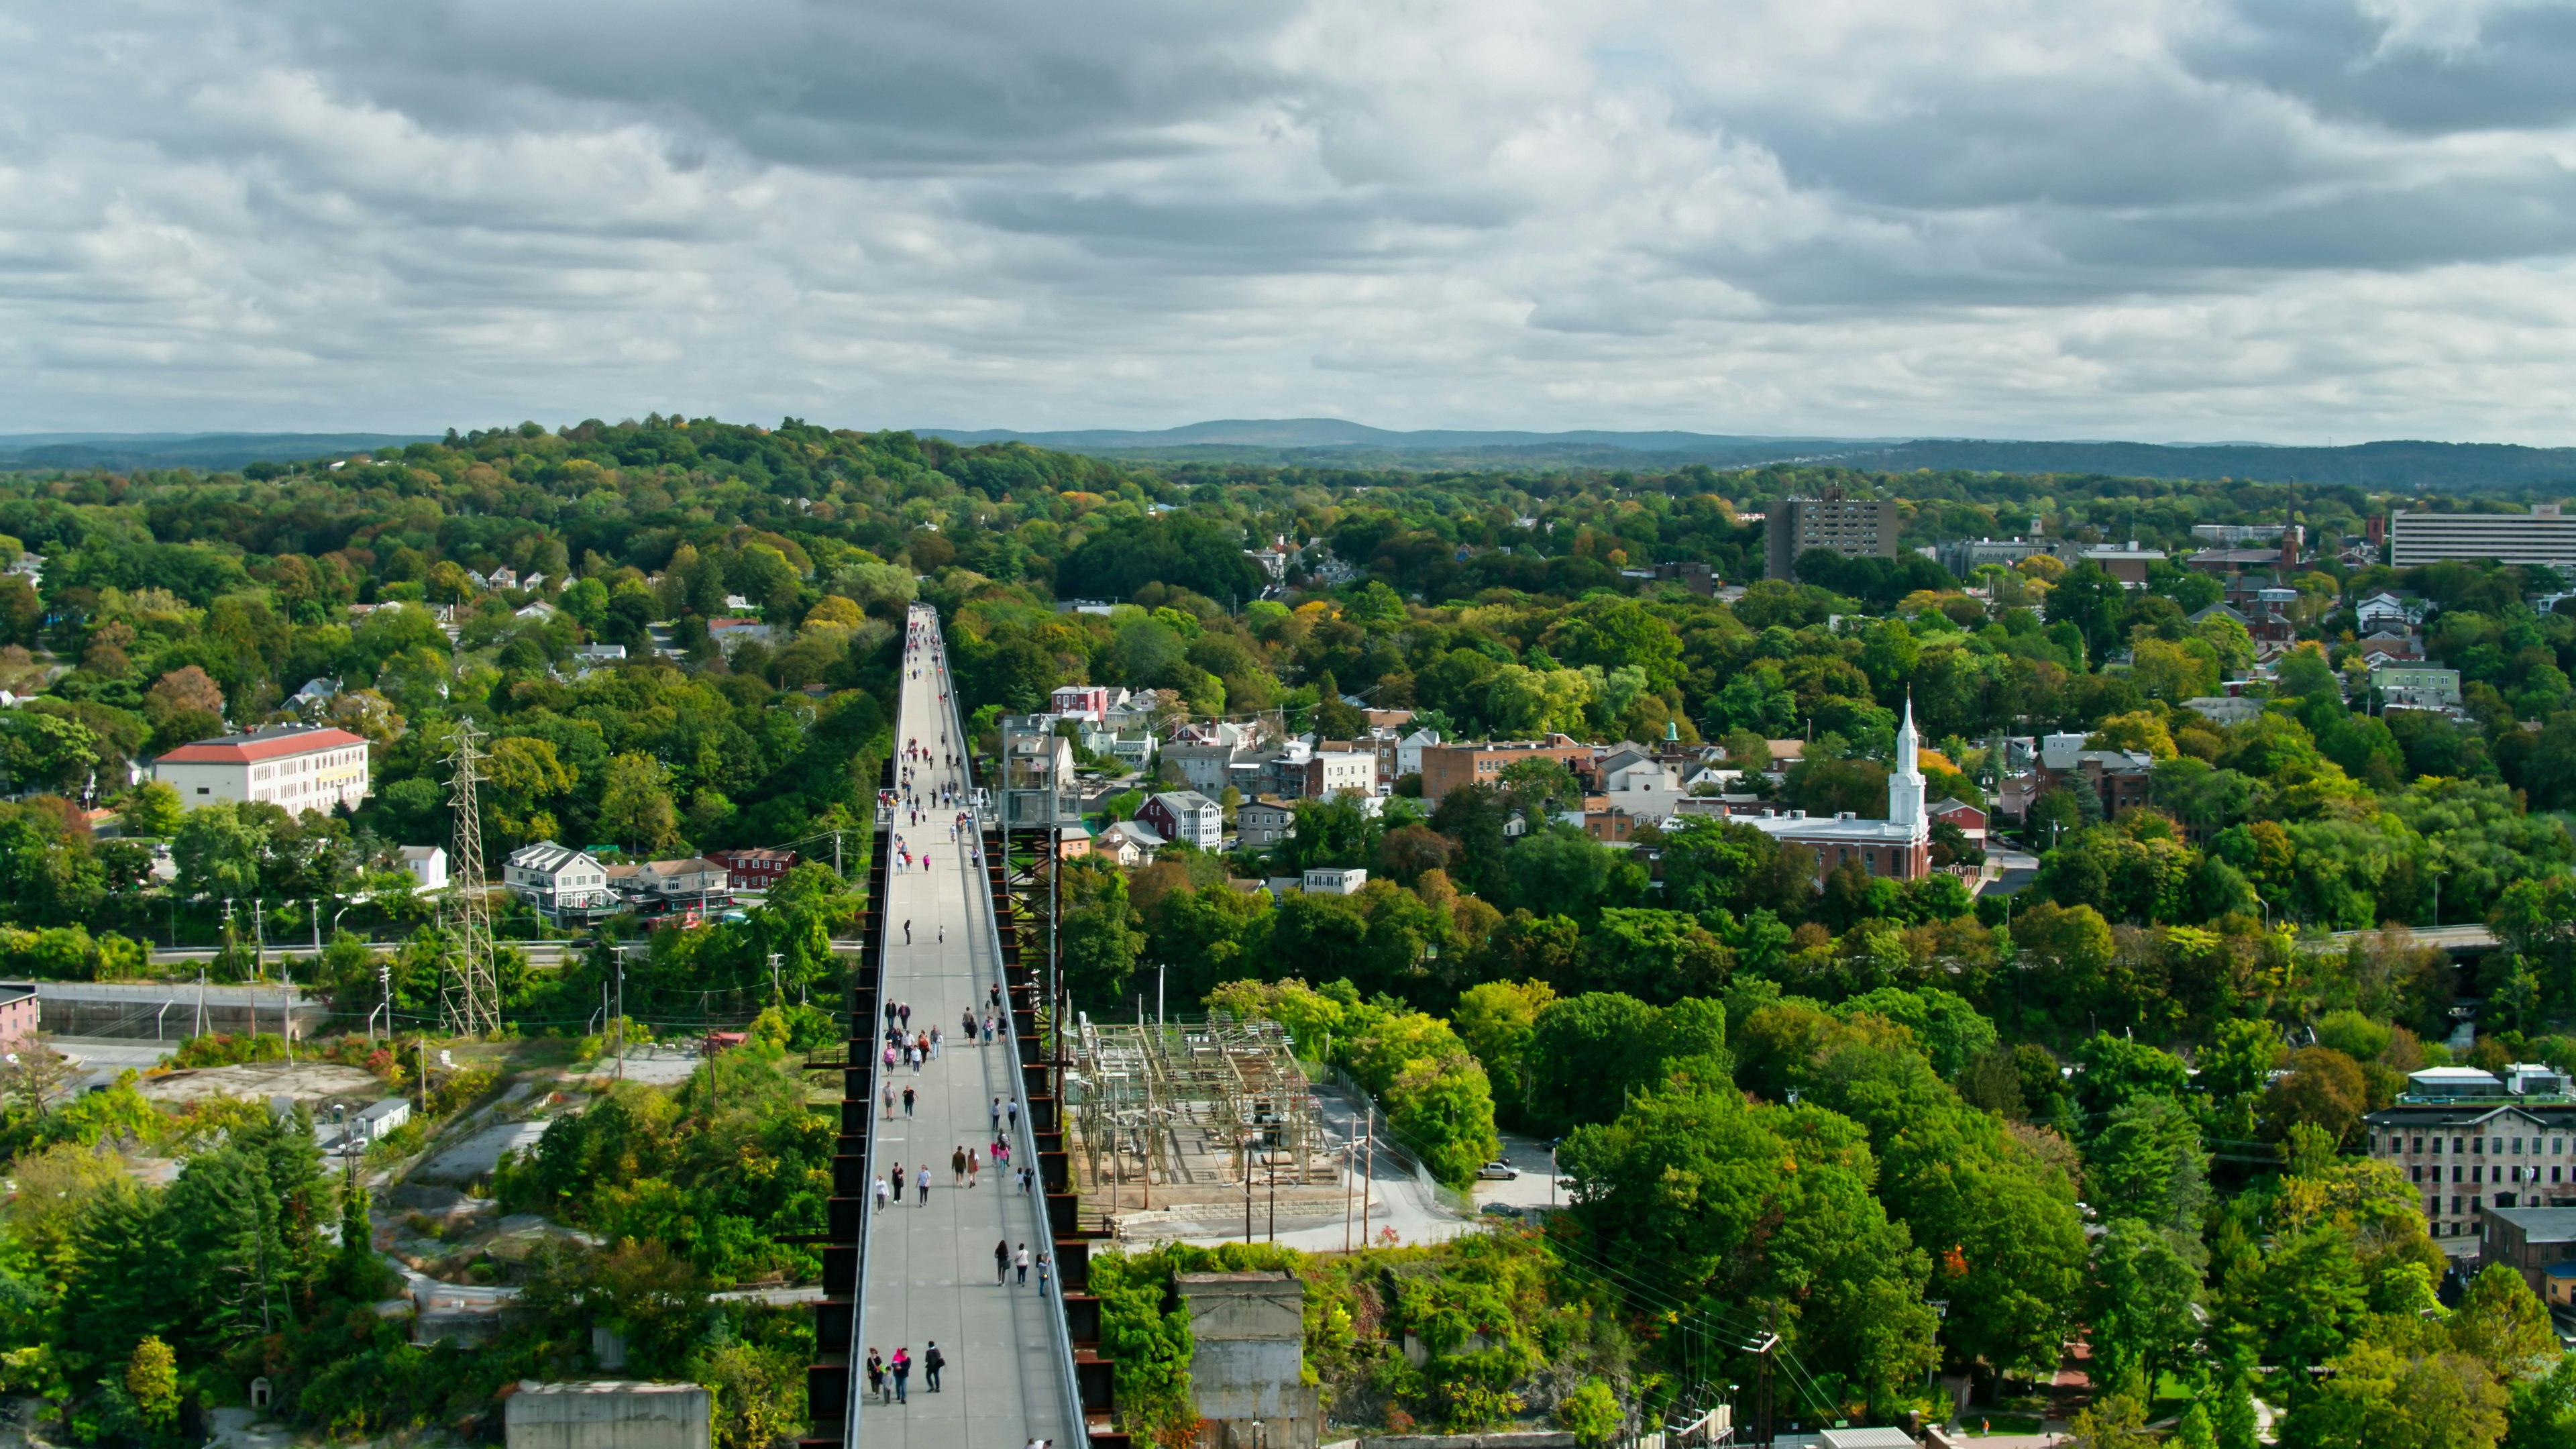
<point x="2419" y="1143"/>
<point x="2419" y="1174"/>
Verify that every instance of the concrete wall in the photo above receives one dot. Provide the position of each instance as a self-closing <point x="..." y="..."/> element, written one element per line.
<point x="1247" y="1355"/>
<point x="608" y="1415"/>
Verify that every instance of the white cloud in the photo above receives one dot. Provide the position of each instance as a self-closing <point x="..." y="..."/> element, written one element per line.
<point x="2147" y="218"/>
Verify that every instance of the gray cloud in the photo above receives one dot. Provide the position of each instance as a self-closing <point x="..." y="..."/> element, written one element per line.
<point x="2160" y="218"/>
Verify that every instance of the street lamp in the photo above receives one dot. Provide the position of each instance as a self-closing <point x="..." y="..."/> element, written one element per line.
<point x="2267" y="914"/>
<point x="2437" y="897"/>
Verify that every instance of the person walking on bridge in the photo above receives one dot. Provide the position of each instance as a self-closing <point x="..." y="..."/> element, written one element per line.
<point x="898" y="1184"/>
<point x="921" y="1187"/>
<point x="1001" y="1262"/>
<point x="957" y="1168"/>
<point x="902" y="1372"/>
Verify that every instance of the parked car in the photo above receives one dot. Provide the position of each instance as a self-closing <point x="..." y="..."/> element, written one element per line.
<point x="1498" y="1172"/>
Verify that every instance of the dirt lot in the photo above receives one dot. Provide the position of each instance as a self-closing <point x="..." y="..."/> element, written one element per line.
<point x="301" y="1082"/>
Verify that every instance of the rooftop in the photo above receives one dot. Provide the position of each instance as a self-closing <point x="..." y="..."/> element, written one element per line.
<point x="2540" y="1225"/>
<point x="275" y="743"/>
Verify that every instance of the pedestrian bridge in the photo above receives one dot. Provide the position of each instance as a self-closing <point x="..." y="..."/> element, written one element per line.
<point x="1019" y="1351"/>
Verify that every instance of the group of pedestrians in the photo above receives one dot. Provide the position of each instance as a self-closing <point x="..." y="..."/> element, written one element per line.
<point x="887" y="1380"/>
<point x="1008" y="1260"/>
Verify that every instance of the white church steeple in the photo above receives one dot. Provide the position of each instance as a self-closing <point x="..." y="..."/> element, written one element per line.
<point x="1905" y="783"/>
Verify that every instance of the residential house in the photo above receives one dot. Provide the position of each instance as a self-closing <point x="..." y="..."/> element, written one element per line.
<point x="1339" y="772"/>
<point x="753" y="870"/>
<point x="427" y="867"/>
<point x="558" y="880"/>
<point x="1186" y="816"/>
<point x="295" y="767"/>
<point x="1408" y="751"/>
<point x="2385" y="610"/>
<point x="18" y="1010"/>
<point x="1324" y="880"/>
<point x="1264" y="821"/>
<point x="1970" y="820"/>
<point x="731" y="632"/>
<point x="695" y="881"/>
<point x="1207" y="768"/>
<point x="1129" y="843"/>
<point x="1087" y="702"/>
<point x="2388" y="647"/>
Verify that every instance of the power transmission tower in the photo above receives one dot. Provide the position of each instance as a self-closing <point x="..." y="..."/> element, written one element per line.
<point x="473" y="997"/>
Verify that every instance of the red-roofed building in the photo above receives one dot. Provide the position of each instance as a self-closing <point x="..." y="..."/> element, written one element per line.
<point x="294" y="767"/>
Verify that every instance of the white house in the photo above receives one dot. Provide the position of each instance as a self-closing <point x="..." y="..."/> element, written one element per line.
<point x="557" y="878"/>
<point x="2384" y="609"/>
<point x="295" y="767"/>
<point x="1324" y="880"/>
<point x="1187" y="816"/>
<point x="1408" y="751"/>
<point x="427" y="867"/>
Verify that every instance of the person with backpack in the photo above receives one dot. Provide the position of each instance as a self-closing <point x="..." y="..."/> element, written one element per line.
<point x="932" y="1361"/>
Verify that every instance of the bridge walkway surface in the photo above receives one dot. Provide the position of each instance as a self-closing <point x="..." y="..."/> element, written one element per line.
<point x="927" y="1264"/>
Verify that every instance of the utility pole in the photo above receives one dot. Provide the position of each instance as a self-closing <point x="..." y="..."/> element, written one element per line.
<point x="259" y="944"/>
<point x="285" y="1009"/>
<point x="1247" y="1191"/>
<point x="1368" y="1175"/>
<point x="315" y="906"/>
<point x="385" y="979"/>
<point x="2437" y="898"/>
<point x="774" y="996"/>
<point x="1762" y="1350"/>
<point x="621" y="1011"/>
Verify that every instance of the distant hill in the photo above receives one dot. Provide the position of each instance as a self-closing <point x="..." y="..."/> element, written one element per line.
<point x="125" y="452"/>
<point x="1331" y="442"/>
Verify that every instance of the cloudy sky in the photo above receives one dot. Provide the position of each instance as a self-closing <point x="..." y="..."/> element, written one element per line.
<point x="2287" y="220"/>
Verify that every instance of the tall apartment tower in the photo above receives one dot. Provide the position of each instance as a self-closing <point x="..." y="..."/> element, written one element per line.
<point x="2545" y="535"/>
<point x="1852" y="527"/>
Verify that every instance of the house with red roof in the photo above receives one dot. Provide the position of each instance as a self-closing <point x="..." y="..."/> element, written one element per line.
<point x="294" y="767"/>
